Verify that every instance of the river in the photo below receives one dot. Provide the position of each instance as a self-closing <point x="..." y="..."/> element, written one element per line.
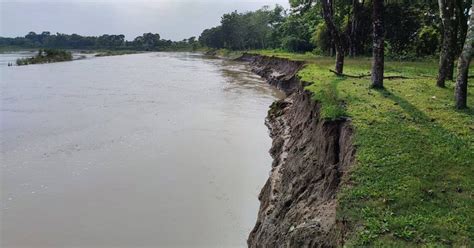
<point x="142" y="150"/>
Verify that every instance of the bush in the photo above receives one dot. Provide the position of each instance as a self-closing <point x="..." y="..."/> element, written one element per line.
<point x="46" y="56"/>
<point x="321" y="39"/>
<point x="294" y="44"/>
<point x="427" y="41"/>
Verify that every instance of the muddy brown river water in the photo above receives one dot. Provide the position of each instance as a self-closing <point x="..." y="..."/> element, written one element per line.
<point x="144" y="150"/>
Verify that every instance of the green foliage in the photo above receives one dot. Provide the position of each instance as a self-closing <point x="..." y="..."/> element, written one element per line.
<point x="46" y="56"/>
<point x="322" y="38"/>
<point x="413" y="182"/>
<point x="234" y="30"/>
<point x="295" y="44"/>
<point x="401" y="23"/>
<point x="412" y="29"/>
<point x="332" y="107"/>
<point x="296" y="31"/>
<point x="427" y="41"/>
<point x="250" y="30"/>
<point x="212" y="37"/>
<point x="146" y="42"/>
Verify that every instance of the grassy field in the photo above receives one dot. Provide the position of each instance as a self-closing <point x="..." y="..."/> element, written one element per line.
<point x="413" y="182"/>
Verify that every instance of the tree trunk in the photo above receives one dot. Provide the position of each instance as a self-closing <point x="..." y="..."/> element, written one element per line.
<point x="339" y="60"/>
<point x="454" y="43"/>
<point x="462" y="18"/>
<point x="460" y="30"/>
<point x="463" y="66"/>
<point x="450" y="67"/>
<point x="336" y="35"/>
<point x="446" y="8"/>
<point x="353" y="36"/>
<point x="378" y="45"/>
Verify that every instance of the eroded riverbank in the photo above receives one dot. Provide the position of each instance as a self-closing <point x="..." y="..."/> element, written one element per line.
<point x="310" y="157"/>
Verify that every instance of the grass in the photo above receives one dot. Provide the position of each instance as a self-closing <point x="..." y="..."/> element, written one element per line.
<point x="413" y="182"/>
<point x="224" y="53"/>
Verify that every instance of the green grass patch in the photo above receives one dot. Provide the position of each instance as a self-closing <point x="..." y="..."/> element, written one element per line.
<point x="413" y="182"/>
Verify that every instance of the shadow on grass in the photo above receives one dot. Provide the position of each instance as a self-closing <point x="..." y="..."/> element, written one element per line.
<point x="409" y="108"/>
<point x="414" y="176"/>
<point x="429" y="128"/>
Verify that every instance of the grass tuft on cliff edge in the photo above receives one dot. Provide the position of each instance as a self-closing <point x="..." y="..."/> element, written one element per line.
<point x="413" y="182"/>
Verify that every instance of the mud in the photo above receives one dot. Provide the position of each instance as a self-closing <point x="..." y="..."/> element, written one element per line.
<point x="311" y="157"/>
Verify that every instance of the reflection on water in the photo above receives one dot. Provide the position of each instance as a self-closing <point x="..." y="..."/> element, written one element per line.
<point x="144" y="150"/>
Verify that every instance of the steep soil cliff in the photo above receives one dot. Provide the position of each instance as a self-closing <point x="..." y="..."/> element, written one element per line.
<point x="311" y="155"/>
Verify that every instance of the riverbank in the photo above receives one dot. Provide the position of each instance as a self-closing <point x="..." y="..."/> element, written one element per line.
<point x="410" y="181"/>
<point x="115" y="53"/>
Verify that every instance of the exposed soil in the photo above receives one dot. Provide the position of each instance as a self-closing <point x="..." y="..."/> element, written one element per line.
<point x="311" y="156"/>
<point x="278" y="72"/>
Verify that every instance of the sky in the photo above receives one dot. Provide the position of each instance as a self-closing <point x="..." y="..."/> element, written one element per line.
<point x="172" y="19"/>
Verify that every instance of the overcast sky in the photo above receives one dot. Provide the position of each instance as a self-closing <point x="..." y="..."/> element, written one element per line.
<point x="172" y="19"/>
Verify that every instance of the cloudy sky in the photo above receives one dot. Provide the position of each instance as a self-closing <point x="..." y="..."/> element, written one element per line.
<point x="172" y="19"/>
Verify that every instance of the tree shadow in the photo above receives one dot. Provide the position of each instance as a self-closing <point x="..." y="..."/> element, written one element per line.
<point x="411" y="109"/>
<point x="427" y="124"/>
<point x="407" y="107"/>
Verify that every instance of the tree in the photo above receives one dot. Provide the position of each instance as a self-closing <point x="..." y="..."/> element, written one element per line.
<point x="234" y="30"/>
<point x="378" y="45"/>
<point x="338" y="37"/>
<point x="249" y="30"/>
<point x="296" y="32"/>
<point x="460" y="17"/>
<point x="148" y="41"/>
<point x="463" y="65"/>
<point x="447" y="13"/>
<point x="403" y="23"/>
<point x="357" y="7"/>
<point x="212" y="37"/>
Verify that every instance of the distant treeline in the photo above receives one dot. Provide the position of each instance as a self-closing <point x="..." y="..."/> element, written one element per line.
<point x="412" y="28"/>
<point x="145" y="42"/>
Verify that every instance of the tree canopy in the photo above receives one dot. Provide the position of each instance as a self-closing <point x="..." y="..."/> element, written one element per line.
<point x="146" y="42"/>
<point x="413" y="28"/>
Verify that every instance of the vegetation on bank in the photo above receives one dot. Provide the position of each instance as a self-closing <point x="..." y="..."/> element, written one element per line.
<point x="115" y="53"/>
<point x="46" y="56"/>
<point x="354" y="28"/>
<point x="145" y="42"/>
<point x="413" y="182"/>
<point x="414" y="29"/>
<point x="224" y="53"/>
